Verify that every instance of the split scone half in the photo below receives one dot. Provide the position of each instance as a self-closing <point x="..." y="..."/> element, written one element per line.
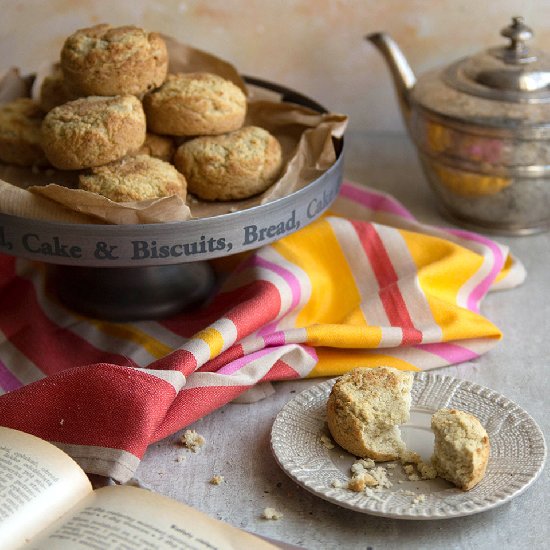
<point x="366" y="407"/>
<point x="461" y="449"/>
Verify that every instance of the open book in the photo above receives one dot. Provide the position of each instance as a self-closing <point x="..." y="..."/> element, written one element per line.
<point x="47" y="502"/>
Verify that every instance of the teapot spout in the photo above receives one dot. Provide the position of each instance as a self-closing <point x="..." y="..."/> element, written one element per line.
<point x="402" y="74"/>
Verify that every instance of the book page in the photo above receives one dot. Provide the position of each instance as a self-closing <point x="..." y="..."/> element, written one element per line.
<point x="38" y="483"/>
<point x="131" y="518"/>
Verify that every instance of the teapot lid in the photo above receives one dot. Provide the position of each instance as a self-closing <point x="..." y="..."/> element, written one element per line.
<point x="513" y="73"/>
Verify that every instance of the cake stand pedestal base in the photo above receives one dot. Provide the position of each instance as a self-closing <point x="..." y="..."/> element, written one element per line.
<point x="131" y="293"/>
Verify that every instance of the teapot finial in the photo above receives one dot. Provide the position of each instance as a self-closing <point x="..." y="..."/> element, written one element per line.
<point x="402" y="74"/>
<point x="518" y="33"/>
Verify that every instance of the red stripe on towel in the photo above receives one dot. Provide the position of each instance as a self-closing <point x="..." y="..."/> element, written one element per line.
<point x="390" y="294"/>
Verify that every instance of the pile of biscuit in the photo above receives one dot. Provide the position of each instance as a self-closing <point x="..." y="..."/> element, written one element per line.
<point x="134" y="132"/>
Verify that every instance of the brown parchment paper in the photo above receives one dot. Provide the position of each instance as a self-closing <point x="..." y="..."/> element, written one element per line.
<point x="306" y="139"/>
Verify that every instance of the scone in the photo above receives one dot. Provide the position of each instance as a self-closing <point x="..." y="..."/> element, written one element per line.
<point x="236" y="165"/>
<point x="160" y="147"/>
<point x="105" y="60"/>
<point x="134" y="178"/>
<point x="93" y="131"/>
<point x="20" y="123"/>
<point x="53" y="91"/>
<point x="365" y="408"/>
<point x="195" y="104"/>
<point x="461" y="449"/>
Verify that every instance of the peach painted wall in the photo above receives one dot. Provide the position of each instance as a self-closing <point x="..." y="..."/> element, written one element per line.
<point x="315" y="46"/>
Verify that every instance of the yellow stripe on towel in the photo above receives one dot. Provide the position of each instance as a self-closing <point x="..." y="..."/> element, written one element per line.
<point x="213" y="339"/>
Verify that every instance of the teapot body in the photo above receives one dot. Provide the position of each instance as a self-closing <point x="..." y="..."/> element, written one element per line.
<point x="489" y="170"/>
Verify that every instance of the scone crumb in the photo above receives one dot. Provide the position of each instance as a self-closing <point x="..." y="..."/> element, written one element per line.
<point x="326" y="441"/>
<point x="359" y="483"/>
<point x="180" y="458"/>
<point x="415" y="468"/>
<point x="217" y="480"/>
<point x="365" y="474"/>
<point x="381" y="475"/>
<point x="362" y="464"/>
<point x="192" y="440"/>
<point x="337" y="484"/>
<point x="411" y="472"/>
<point x="271" y="513"/>
<point x="419" y="499"/>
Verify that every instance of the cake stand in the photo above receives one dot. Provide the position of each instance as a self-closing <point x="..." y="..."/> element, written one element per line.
<point x="150" y="271"/>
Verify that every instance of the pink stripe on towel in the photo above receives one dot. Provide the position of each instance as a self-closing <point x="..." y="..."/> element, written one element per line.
<point x="374" y="201"/>
<point x="452" y="353"/>
<point x="481" y="289"/>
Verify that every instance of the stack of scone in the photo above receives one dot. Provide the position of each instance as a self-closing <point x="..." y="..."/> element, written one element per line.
<point x="111" y="111"/>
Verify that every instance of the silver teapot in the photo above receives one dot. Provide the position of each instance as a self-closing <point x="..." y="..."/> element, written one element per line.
<point x="482" y="131"/>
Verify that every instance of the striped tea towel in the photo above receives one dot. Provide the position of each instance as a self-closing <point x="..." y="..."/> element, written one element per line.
<point x="367" y="285"/>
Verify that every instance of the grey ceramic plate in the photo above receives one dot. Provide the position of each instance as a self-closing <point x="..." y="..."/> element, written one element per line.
<point x="518" y="452"/>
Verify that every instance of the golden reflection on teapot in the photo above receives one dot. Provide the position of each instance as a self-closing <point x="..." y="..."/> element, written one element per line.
<point x="469" y="184"/>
